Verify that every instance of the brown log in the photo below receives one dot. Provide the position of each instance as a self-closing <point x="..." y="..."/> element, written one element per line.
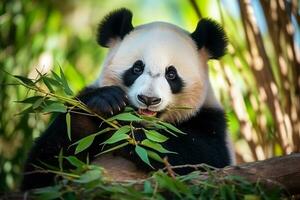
<point x="281" y="171"/>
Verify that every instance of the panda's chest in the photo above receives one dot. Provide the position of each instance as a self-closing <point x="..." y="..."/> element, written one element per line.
<point x="118" y="168"/>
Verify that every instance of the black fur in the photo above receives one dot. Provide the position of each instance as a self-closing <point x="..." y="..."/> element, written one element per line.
<point x="204" y="142"/>
<point x="115" y="25"/>
<point x="130" y="76"/>
<point x="210" y="34"/>
<point x="105" y="101"/>
<point x="177" y="84"/>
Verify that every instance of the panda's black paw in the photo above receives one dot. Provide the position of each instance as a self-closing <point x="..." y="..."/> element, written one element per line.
<point x="105" y="101"/>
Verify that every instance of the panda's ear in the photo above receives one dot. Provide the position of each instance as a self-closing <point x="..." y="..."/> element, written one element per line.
<point x="210" y="35"/>
<point x="114" y="26"/>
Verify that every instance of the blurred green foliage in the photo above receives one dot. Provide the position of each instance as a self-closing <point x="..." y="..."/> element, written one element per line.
<point x="44" y="35"/>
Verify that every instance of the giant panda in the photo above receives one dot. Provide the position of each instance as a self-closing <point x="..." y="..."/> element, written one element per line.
<point x="152" y="68"/>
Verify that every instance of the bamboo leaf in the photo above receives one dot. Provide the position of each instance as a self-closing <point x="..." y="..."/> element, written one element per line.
<point x="113" y="148"/>
<point x="155" y="136"/>
<point x="57" y="78"/>
<point x="37" y="103"/>
<point x="74" y="161"/>
<point x="116" y="138"/>
<point x="128" y="109"/>
<point x="48" y="84"/>
<point x="26" y="111"/>
<point x="55" y="107"/>
<point x="48" y="193"/>
<point x="60" y="159"/>
<point x="25" y="80"/>
<point x="154" y="156"/>
<point x="52" y="81"/>
<point x="68" y="122"/>
<point x="118" y="135"/>
<point x="30" y="100"/>
<point x="89" y="176"/>
<point x="171" y="127"/>
<point x="84" y="143"/>
<point x="147" y="187"/>
<point x="155" y="146"/>
<point x="67" y="89"/>
<point x="95" y="134"/>
<point x="125" y="117"/>
<point x="142" y="153"/>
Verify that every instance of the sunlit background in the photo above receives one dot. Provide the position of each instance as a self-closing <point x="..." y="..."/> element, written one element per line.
<point x="257" y="81"/>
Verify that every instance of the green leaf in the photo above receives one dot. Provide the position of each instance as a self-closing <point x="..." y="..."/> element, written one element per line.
<point x="47" y="193"/>
<point x="95" y="134"/>
<point x="75" y="161"/>
<point x="128" y="109"/>
<point x="84" y="143"/>
<point x="251" y="197"/>
<point x="118" y="135"/>
<point x="116" y="138"/>
<point x="155" y="146"/>
<point x="89" y="176"/>
<point x="52" y="81"/>
<point x="155" y="136"/>
<point x="25" y="80"/>
<point x="68" y="122"/>
<point x="158" y="126"/>
<point x="113" y="148"/>
<point x="67" y="89"/>
<point x="26" y="111"/>
<point x="142" y="153"/>
<point x="48" y="84"/>
<point x="57" y="78"/>
<point x="147" y="187"/>
<point x="154" y="156"/>
<point x="55" y="107"/>
<point x="60" y="159"/>
<point x="125" y="117"/>
<point x="30" y="100"/>
<point x="37" y="103"/>
<point x="171" y="127"/>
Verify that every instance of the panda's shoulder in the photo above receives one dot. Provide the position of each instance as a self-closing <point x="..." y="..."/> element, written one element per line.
<point x="206" y="121"/>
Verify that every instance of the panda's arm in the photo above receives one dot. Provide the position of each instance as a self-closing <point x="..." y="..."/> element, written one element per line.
<point x="105" y="101"/>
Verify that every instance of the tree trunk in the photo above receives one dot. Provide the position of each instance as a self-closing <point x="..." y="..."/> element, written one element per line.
<point x="281" y="171"/>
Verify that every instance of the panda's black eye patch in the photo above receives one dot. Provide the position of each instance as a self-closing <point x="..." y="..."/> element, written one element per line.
<point x="175" y="82"/>
<point x="133" y="73"/>
<point x="171" y="73"/>
<point x="138" y="67"/>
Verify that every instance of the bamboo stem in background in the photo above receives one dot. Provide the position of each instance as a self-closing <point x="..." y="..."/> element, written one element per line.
<point x="271" y="60"/>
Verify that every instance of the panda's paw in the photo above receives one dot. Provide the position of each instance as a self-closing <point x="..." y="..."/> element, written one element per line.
<point x="108" y="101"/>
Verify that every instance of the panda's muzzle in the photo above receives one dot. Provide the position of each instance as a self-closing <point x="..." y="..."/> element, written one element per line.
<point x="148" y="101"/>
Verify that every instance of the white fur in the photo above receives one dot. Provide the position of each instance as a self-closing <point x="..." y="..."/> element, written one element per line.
<point x="159" y="45"/>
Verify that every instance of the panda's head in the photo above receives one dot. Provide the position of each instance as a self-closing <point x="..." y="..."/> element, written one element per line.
<point x="161" y="66"/>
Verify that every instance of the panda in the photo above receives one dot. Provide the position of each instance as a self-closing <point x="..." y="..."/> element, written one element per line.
<point x="152" y="68"/>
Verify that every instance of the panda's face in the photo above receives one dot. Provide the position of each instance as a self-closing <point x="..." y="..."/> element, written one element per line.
<point x="160" y="67"/>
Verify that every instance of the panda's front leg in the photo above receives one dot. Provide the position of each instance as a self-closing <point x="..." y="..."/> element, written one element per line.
<point x="105" y="101"/>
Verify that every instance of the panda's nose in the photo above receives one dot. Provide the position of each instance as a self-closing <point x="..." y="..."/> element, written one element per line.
<point x="148" y="101"/>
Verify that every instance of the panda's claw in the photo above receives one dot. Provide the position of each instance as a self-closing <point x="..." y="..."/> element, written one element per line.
<point x="108" y="100"/>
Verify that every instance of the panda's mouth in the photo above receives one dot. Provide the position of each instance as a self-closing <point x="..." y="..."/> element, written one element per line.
<point x="147" y="112"/>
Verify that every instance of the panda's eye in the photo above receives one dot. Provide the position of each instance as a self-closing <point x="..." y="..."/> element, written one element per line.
<point x="138" y="67"/>
<point x="171" y="73"/>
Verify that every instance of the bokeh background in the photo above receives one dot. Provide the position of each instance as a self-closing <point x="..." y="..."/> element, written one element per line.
<point x="258" y="80"/>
